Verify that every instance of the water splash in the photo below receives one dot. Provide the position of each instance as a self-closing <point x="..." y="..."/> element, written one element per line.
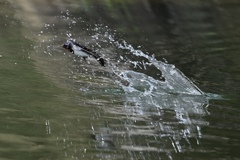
<point x="170" y="110"/>
<point x="175" y="81"/>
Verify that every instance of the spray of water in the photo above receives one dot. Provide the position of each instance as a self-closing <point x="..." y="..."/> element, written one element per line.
<point x="147" y="98"/>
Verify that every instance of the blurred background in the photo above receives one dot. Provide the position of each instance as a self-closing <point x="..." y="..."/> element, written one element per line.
<point x="170" y="89"/>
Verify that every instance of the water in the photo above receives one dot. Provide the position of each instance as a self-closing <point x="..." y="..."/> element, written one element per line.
<point x="170" y="89"/>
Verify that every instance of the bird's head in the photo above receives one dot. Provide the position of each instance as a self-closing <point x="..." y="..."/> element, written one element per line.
<point x="68" y="45"/>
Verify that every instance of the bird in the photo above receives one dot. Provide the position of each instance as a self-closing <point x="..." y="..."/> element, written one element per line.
<point x="82" y="51"/>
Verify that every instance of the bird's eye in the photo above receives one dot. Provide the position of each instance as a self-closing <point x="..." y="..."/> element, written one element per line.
<point x="66" y="45"/>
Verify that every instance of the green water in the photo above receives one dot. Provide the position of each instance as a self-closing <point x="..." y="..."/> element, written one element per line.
<point x="32" y="107"/>
<point x="56" y="106"/>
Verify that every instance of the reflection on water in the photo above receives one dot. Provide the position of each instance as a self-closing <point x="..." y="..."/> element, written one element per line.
<point x="139" y="106"/>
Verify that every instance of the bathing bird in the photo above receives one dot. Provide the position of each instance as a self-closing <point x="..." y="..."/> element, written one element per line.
<point x="82" y="51"/>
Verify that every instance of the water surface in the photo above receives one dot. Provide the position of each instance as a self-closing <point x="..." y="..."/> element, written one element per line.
<point x="170" y="89"/>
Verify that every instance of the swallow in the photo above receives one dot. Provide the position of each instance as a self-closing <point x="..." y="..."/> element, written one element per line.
<point x="82" y="51"/>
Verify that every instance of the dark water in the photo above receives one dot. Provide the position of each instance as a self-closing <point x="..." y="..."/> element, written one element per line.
<point x="170" y="89"/>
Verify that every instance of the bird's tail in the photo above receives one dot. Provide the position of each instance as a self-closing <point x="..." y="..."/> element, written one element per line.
<point x="101" y="61"/>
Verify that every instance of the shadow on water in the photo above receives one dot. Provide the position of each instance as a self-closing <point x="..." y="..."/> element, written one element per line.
<point x="138" y="107"/>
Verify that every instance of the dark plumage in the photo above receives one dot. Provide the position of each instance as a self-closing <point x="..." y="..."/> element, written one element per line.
<point x="82" y="51"/>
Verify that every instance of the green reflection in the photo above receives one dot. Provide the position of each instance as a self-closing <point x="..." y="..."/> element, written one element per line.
<point x="40" y="120"/>
<point x="34" y="115"/>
